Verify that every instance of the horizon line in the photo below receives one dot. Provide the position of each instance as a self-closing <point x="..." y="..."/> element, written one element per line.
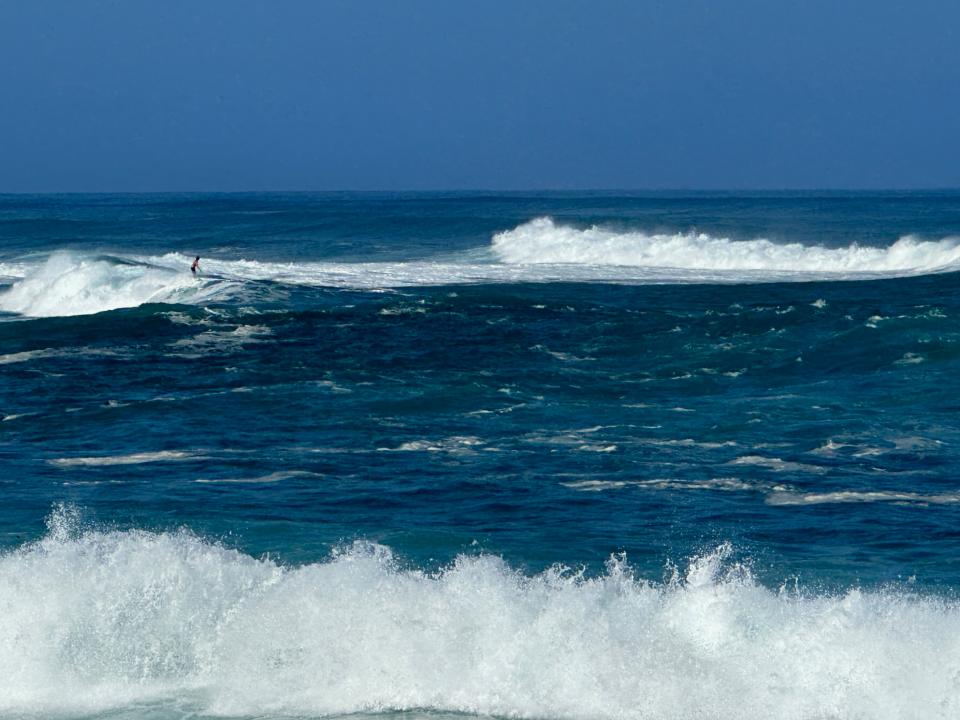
<point x="489" y="191"/>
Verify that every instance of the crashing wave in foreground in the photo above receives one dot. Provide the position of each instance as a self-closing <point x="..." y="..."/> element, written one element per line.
<point x="95" y="621"/>
<point x="71" y="283"/>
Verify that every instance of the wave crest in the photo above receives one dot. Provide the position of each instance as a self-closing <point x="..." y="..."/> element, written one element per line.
<point x="542" y="241"/>
<point x="97" y="620"/>
<point x="76" y="284"/>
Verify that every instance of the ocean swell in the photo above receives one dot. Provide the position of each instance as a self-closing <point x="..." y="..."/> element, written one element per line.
<point x="98" y="620"/>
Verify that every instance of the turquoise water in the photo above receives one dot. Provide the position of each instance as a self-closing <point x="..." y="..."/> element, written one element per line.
<point x="547" y="455"/>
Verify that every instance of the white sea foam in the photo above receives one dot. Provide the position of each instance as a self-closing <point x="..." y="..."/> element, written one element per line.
<point x="793" y="497"/>
<point x="910" y="359"/>
<point x="456" y="444"/>
<point x="690" y="442"/>
<point x="28" y="355"/>
<point x="132" y="459"/>
<point x="543" y="241"/>
<point x="62" y="352"/>
<point x="776" y="464"/>
<point x="728" y="484"/>
<point x="725" y="484"/>
<point x="75" y="284"/>
<point x="212" y="342"/>
<point x="93" y="621"/>
<point x="261" y="479"/>
<point x="596" y="485"/>
<point x="775" y="494"/>
<point x="597" y="447"/>
<point x="13" y="271"/>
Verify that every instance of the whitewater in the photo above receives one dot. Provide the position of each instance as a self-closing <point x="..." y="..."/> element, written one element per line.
<point x="539" y="251"/>
<point x="95" y="620"/>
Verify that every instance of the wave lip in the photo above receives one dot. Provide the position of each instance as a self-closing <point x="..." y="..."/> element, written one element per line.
<point x="542" y="241"/>
<point x="104" y="620"/>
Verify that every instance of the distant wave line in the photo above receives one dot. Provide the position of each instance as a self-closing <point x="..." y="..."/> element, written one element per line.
<point x="539" y="251"/>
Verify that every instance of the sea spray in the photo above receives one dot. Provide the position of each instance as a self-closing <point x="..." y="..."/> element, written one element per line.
<point x="96" y="619"/>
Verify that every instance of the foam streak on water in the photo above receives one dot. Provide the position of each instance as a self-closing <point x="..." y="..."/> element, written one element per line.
<point x="98" y="620"/>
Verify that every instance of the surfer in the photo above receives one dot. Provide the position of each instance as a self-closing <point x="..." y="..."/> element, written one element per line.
<point x="196" y="265"/>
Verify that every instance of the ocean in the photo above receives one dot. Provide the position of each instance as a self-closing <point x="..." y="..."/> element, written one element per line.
<point x="560" y="456"/>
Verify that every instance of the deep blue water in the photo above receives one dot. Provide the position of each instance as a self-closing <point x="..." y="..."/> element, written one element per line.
<point x="702" y="435"/>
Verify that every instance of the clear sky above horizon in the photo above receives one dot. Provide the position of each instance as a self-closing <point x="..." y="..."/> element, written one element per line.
<point x="227" y="95"/>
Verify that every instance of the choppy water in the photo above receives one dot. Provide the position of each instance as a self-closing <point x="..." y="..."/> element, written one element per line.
<point x="545" y="456"/>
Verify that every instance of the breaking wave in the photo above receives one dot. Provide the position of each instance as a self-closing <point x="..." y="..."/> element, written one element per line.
<point x="539" y="251"/>
<point x="543" y="241"/>
<point x="75" y="284"/>
<point x="97" y="620"/>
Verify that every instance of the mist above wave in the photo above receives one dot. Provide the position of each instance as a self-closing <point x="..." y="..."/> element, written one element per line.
<point x="96" y="620"/>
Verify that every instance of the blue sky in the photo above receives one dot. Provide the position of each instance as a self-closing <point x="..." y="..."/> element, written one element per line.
<point x="127" y="95"/>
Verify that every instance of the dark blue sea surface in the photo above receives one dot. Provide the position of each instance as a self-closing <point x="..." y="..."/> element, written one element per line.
<point x="544" y="455"/>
